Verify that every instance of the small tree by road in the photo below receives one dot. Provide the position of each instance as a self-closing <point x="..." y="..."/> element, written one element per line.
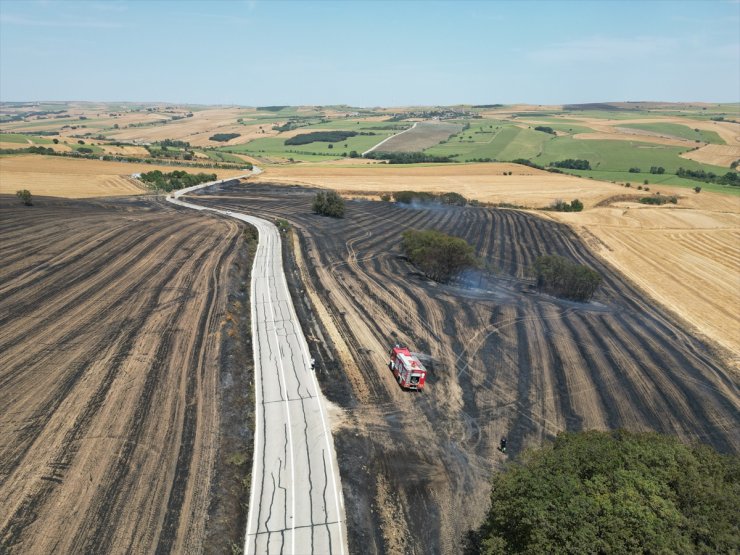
<point x="25" y="196"/>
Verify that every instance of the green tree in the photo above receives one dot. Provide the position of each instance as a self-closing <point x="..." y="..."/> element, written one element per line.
<point x="328" y="203"/>
<point x="561" y="277"/>
<point x="25" y="196"/>
<point x="439" y="256"/>
<point x="614" y="492"/>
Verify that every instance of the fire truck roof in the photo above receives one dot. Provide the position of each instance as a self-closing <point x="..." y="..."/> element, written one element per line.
<point x="411" y="362"/>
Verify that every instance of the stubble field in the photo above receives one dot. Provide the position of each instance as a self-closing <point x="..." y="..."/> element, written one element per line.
<point x="503" y="360"/>
<point x="110" y="369"/>
<point x="74" y="178"/>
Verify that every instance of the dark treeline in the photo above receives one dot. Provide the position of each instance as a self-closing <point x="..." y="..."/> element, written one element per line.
<point x="320" y="137"/>
<point x="328" y="203"/>
<point x="545" y="129"/>
<point x="659" y="200"/>
<point x="562" y="206"/>
<point x="438" y="256"/>
<point x="423" y="197"/>
<point x="730" y="178"/>
<point x="271" y="108"/>
<point x="408" y="157"/>
<point x="572" y="164"/>
<point x="223" y="137"/>
<point x="177" y="179"/>
<point x="560" y="277"/>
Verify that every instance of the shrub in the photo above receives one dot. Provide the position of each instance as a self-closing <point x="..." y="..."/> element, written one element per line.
<point x="635" y="170"/>
<point x="657" y="170"/>
<point x="562" y="206"/>
<point x="439" y="256"/>
<point x="25" y="196"/>
<point x="659" y="200"/>
<point x="697" y="189"/>
<point x="561" y="277"/>
<point x="328" y="203"/>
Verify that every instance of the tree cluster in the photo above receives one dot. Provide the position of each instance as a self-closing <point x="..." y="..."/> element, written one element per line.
<point x="439" y="256"/>
<point x="320" y="137"/>
<point x="545" y="129"/>
<point x="408" y="157"/>
<point x="560" y="277"/>
<point x="562" y="206"/>
<point x="730" y="178"/>
<point x="423" y="197"/>
<point x="614" y="492"/>
<point x="572" y="164"/>
<point x="657" y="170"/>
<point x="177" y="179"/>
<point x="223" y="137"/>
<point x="660" y="200"/>
<point x="328" y="203"/>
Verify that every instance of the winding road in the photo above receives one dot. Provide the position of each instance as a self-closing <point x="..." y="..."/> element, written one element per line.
<point x="296" y="503"/>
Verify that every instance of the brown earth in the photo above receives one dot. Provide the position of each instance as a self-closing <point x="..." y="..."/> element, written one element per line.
<point x="718" y="155"/>
<point x="111" y="369"/>
<point x="503" y="360"/>
<point x="426" y="134"/>
<point x="80" y="178"/>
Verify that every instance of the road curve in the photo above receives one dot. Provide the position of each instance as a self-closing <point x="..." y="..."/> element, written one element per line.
<point x="296" y="503"/>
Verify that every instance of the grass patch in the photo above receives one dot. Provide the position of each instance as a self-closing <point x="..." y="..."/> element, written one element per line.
<point x="679" y="130"/>
<point x="23" y="139"/>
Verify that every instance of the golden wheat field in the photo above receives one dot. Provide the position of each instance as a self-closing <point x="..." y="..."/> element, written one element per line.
<point x="71" y="178"/>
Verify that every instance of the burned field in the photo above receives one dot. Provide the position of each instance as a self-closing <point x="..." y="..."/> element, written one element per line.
<point x="113" y="374"/>
<point x="503" y="360"/>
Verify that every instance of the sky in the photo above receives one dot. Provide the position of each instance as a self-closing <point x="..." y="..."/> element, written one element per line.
<point x="370" y="53"/>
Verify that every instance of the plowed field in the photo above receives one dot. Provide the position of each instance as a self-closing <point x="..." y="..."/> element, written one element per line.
<point x="109" y="371"/>
<point x="503" y="360"/>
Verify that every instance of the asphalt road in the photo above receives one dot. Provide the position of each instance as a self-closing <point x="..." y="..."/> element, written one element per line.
<point x="296" y="503"/>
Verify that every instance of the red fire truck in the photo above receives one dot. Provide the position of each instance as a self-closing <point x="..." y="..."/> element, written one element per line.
<point x="409" y="372"/>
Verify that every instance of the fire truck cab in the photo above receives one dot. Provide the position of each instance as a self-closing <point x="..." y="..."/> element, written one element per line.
<point x="408" y="370"/>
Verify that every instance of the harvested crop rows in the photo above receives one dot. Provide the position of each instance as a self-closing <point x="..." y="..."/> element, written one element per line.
<point x="110" y="374"/>
<point x="504" y="361"/>
<point x="420" y="137"/>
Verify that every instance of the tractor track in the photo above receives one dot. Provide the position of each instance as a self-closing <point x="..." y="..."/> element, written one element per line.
<point x="110" y="375"/>
<point x="503" y="360"/>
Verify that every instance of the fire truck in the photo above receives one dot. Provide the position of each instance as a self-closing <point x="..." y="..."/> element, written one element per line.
<point x="409" y="372"/>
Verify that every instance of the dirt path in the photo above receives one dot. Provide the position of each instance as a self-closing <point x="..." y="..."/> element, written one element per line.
<point x="502" y="361"/>
<point x="111" y="316"/>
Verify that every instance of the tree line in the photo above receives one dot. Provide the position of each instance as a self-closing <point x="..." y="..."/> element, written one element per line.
<point x="424" y="197"/>
<point x="408" y="157"/>
<point x="438" y="256"/>
<point x="177" y="179"/>
<point x="223" y="137"/>
<point x="730" y="178"/>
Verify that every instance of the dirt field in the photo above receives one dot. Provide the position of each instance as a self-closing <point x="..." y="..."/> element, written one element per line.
<point x="503" y="360"/>
<point x="197" y="129"/>
<point x="424" y="135"/>
<point x="718" y="155"/>
<point x="687" y="257"/>
<point x="110" y="369"/>
<point x="484" y="182"/>
<point x="71" y="178"/>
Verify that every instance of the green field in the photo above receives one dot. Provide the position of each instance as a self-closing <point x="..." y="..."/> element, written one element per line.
<point x="95" y="149"/>
<point x="678" y="130"/>
<point x="276" y="147"/>
<point x="665" y="179"/>
<point x="23" y="139"/>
